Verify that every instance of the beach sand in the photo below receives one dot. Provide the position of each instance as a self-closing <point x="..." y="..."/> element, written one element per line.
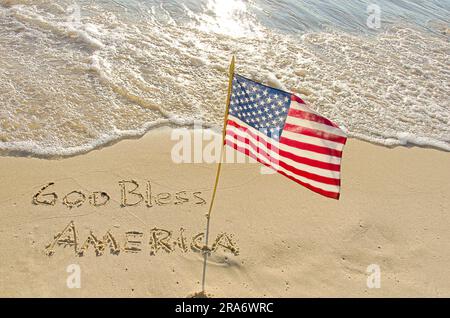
<point x="273" y="237"/>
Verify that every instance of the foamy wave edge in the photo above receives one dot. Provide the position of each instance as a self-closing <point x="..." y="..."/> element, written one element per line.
<point x="37" y="150"/>
<point x="404" y="139"/>
<point x="34" y="149"/>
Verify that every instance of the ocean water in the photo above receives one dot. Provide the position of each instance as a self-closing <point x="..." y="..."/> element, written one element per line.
<point x="76" y="75"/>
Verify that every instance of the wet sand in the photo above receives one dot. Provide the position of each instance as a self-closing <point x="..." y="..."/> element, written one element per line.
<point x="270" y="236"/>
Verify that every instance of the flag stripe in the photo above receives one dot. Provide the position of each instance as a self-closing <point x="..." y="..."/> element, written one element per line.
<point x="281" y="163"/>
<point x="297" y="99"/>
<point x="312" y="140"/>
<point x="324" y="157"/>
<point x="316" y="173"/>
<point x="328" y="193"/>
<point x="321" y="128"/>
<point x="314" y="133"/>
<point x="274" y="145"/>
<point x="295" y="106"/>
<point x="280" y="166"/>
<point x="310" y="147"/>
<point x="297" y="113"/>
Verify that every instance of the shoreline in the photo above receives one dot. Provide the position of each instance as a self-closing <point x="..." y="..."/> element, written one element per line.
<point x="164" y="126"/>
<point x="289" y="241"/>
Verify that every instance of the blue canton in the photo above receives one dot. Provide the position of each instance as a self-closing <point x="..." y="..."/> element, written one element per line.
<point x="259" y="106"/>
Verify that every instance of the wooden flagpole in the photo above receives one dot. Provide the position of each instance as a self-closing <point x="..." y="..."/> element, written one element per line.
<point x="206" y="249"/>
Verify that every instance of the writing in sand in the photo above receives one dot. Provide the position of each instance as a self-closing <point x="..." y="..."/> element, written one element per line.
<point x="130" y="195"/>
<point x="155" y="240"/>
<point x="134" y="241"/>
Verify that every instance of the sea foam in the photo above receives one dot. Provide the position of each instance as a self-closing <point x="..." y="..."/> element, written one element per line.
<point x="70" y="88"/>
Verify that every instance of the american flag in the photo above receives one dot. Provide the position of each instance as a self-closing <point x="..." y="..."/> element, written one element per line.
<point x="277" y="129"/>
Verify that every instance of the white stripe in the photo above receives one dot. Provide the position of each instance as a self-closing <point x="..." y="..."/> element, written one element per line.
<point x="312" y="140"/>
<point x="305" y="108"/>
<point x="320" y="185"/>
<point x="325" y="129"/>
<point x="276" y="156"/>
<point x="299" y="152"/>
<point x="298" y="106"/>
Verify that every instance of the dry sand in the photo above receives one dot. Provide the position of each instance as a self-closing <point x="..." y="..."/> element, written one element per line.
<point x="394" y="212"/>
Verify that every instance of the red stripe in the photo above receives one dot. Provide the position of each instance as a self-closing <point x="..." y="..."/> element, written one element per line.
<point x="252" y="134"/>
<point x="297" y="99"/>
<point x="333" y="195"/>
<point x="309" y="147"/>
<point x="311" y="117"/>
<point x="306" y="161"/>
<point x="310" y="162"/>
<point x="309" y="175"/>
<point x="315" y="133"/>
